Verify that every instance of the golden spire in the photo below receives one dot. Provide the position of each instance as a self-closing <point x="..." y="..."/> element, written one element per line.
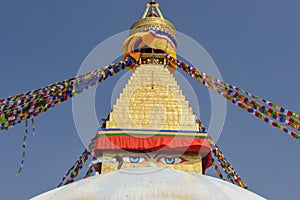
<point x="153" y="19"/>
<point x="152" y="5"/>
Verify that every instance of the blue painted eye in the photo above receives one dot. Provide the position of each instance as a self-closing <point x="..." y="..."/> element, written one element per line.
<point x="133" y="159"/>
<point x="170" y="160"/>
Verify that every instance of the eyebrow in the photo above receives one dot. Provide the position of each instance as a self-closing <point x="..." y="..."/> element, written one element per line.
<point x="146" y="155"/>
<point x="157" y="154"/>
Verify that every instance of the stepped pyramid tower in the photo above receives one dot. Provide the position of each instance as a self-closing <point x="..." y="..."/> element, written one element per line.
<point x="152" y="140"/>
<point x="152" y="99"/>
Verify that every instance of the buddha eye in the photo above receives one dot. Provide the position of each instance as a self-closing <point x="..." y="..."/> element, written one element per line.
<point x="134" y="159"/>
<point x="170" y="160"/>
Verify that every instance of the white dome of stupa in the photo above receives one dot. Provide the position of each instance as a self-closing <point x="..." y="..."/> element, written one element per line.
<point x="149" y="183"/>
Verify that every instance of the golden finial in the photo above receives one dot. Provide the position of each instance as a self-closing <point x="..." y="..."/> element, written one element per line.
<point x="154" y="6"/>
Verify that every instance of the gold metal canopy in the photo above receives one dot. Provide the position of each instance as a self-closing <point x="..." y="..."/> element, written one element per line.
<point x="153" y="19"/>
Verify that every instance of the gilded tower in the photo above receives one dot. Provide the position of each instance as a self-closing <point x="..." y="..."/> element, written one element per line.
<point x="152" y="122"/>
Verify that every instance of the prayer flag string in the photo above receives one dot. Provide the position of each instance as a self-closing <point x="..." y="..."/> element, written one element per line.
<point x="24" y="148"/>
<point x="255" y="111"/>
<point x="264" y="112"/>
<point x="214" y="164"/>
<point x="74" y="170"/>
<point x="19" y="108"/>
<point x="267" y="111"/>
<point x="89" y="172"/>
<point x="231" y="173"/>
<point x="267" y="102"/>
<point x="79" y="164"/>
<point x="32" y="126"/>
<point x="25" y="144"/>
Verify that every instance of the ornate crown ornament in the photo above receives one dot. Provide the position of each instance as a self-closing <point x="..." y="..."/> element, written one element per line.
<point x="153" y="21"/>
<point x="151" y="37"/>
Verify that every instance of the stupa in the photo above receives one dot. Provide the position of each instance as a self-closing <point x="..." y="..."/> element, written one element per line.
<point x="152" y="146"/>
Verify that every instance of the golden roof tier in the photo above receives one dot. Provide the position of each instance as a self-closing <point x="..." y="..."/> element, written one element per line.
<point x="153" y="21"/>
<point x="151" y="35"/>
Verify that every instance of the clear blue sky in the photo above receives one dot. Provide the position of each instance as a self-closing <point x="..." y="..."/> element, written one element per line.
<point x="255" y="44"/>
